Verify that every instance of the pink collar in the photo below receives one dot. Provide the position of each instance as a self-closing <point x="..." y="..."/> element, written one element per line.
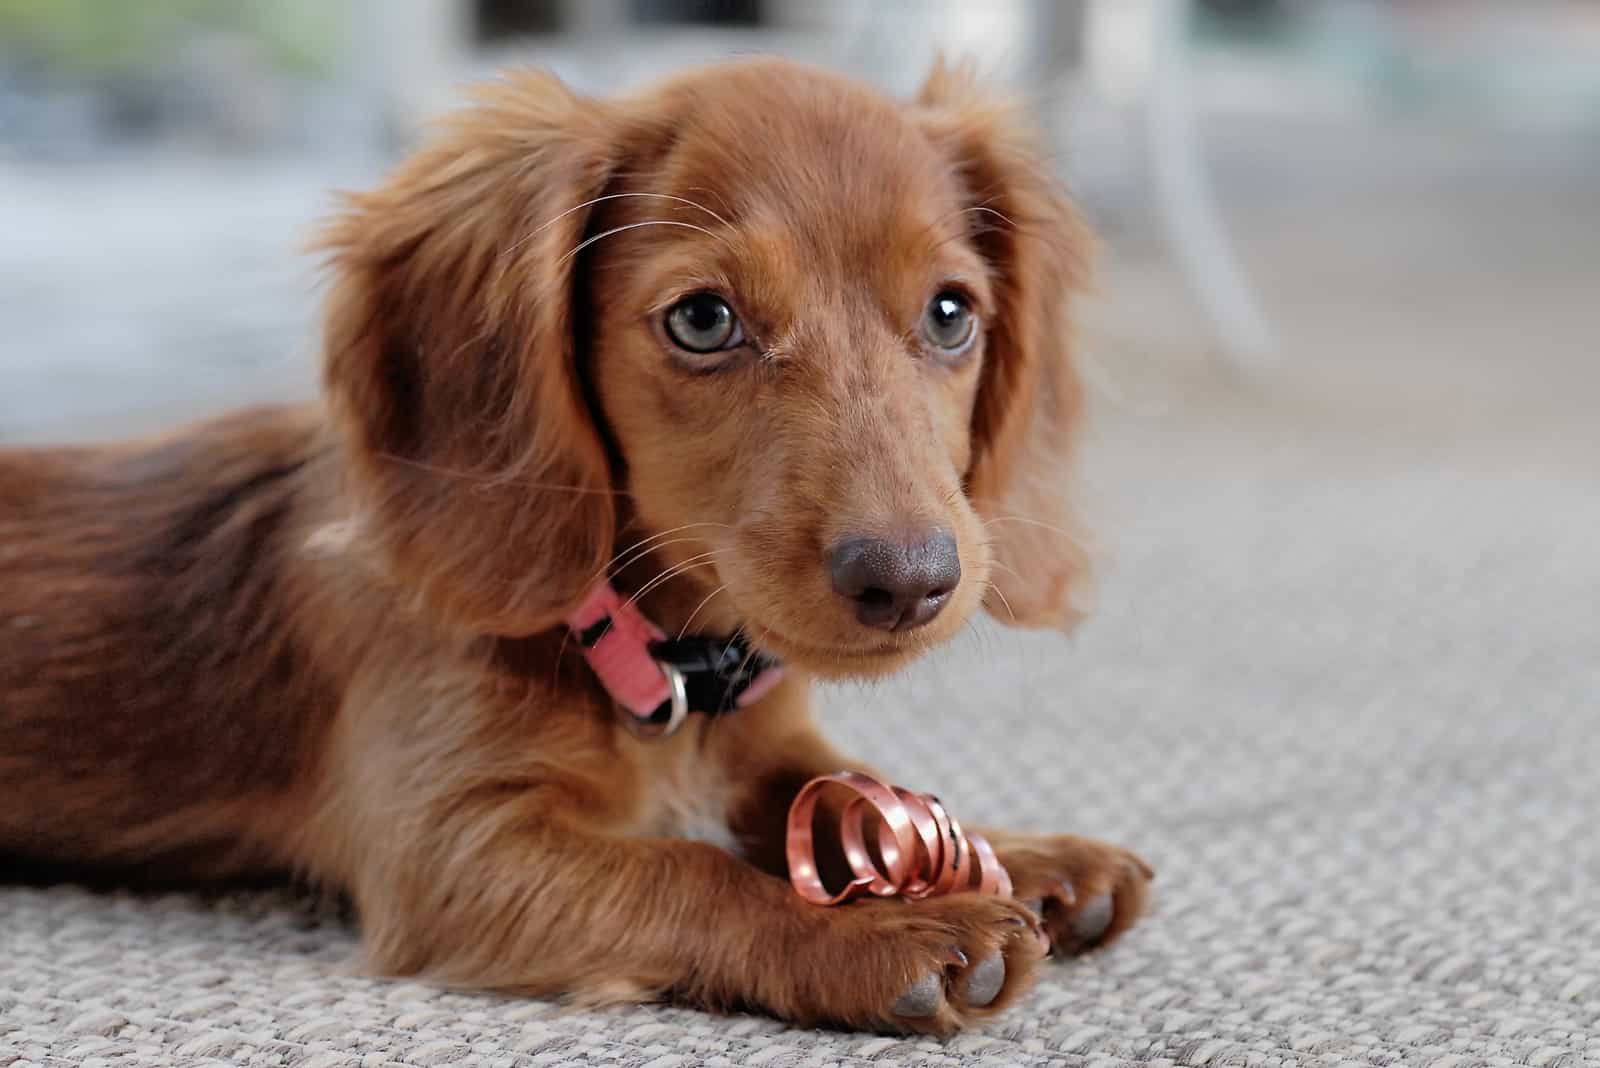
<point x="658" y="682"/>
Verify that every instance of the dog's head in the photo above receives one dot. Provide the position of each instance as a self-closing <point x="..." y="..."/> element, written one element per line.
<point x="810" y="340"/>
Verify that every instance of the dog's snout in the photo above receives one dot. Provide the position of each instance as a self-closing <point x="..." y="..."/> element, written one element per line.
<point x="896" y="585"/>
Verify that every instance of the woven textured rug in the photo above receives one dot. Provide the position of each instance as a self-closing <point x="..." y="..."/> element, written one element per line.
<point x="1340" y="689"/>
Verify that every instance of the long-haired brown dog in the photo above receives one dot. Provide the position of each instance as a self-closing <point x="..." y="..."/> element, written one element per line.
<point x="784" y="356"/>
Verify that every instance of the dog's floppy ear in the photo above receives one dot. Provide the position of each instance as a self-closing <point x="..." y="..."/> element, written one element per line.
<point x="1029" y="396"/>
<point x="451" y="360"/>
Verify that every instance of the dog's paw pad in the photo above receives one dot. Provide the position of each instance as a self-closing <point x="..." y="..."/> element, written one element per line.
<point x="921" y="999"/>
<point x="985" y="980"/>
<point x="1092" y="920"/>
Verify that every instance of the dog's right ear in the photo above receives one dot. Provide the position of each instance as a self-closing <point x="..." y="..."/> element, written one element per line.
<point x="451" y="361"/>
<point x="1026" y="414"/>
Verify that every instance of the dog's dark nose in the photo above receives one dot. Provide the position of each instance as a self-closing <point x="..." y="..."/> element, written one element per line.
<point x="895" y="585"/>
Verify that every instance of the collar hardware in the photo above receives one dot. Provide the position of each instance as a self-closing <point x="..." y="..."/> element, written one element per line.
<point x="657" y="681"/>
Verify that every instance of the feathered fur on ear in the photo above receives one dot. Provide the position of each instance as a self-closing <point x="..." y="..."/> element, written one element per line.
<point x="452" y="363"/>
<point x="1029" y="396"/>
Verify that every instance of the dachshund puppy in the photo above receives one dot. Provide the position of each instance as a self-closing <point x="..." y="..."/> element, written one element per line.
<point x="639" y="414"/>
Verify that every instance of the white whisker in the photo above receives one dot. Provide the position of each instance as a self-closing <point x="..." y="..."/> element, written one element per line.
<point x="1003" y="600"/>
<point x="611" y="196"/>
<point x="1031" y="522"/>
<point x="645" y="546"/>
<point x="586" y="242"/>
<point x="672" y="572"/>
<point x="979" y="208"/>
<point x="644" y="551"/>
<point x="685" y="628"/>
<point x="1007" y="569"/>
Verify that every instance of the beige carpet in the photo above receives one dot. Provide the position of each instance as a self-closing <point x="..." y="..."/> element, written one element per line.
<point x="1347" y="705"/>
<point x="1342" y="688"/>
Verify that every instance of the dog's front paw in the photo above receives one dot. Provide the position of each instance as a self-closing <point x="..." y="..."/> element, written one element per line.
<point x="1085" y="892"/>
<point x="930" y="966"/>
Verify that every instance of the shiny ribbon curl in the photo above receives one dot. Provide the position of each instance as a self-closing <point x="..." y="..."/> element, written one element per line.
<point x="921" y="848"/>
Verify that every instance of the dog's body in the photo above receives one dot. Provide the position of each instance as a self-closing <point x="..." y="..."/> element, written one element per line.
<point x="328" y="640"/>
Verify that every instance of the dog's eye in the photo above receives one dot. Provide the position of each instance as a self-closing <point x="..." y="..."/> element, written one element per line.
<point x="703" y="323"/>
<point x="949" y="323"/>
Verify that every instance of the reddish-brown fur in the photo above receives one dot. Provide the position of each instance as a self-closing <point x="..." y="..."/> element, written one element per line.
<point x="327" y="640"/>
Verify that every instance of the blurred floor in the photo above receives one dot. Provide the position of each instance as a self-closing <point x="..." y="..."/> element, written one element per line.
<point x="1340" y="686"/>
<point x="1431" y="280"/>
<point x="138" y="291"/>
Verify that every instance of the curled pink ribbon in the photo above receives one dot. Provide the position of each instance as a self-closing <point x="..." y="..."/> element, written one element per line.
<point x="921" y="850"/>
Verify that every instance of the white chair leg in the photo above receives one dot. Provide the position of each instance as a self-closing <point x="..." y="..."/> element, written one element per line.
<point x="1185" y="201"/>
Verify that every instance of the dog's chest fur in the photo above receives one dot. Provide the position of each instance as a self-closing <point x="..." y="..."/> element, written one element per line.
<point x="686" y="795"/>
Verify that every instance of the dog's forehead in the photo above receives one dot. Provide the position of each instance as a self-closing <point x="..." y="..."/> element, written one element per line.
<point x="775" y="145"/>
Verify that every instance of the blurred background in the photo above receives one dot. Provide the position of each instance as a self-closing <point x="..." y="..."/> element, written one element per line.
<point x="1395" y="200"/>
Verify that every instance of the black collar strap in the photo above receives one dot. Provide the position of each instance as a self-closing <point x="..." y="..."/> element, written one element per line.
<point x="656" y="682"/>
<point x="716" y="673"/>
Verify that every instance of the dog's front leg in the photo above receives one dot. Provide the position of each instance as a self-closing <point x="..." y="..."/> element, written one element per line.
<point x="513" y="892"/>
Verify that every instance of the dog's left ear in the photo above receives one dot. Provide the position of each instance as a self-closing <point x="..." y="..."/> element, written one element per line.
<point x="1029" y="396"/>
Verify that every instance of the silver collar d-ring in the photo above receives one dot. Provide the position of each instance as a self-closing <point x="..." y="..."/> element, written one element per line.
<point x="678" y="709"/>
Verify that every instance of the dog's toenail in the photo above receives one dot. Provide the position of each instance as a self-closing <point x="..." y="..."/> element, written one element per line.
<point x="921" y="997"/>
<point x="986" y="979"/>
<point x="1094" y="918"/>
<point x="954" y="956"/>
